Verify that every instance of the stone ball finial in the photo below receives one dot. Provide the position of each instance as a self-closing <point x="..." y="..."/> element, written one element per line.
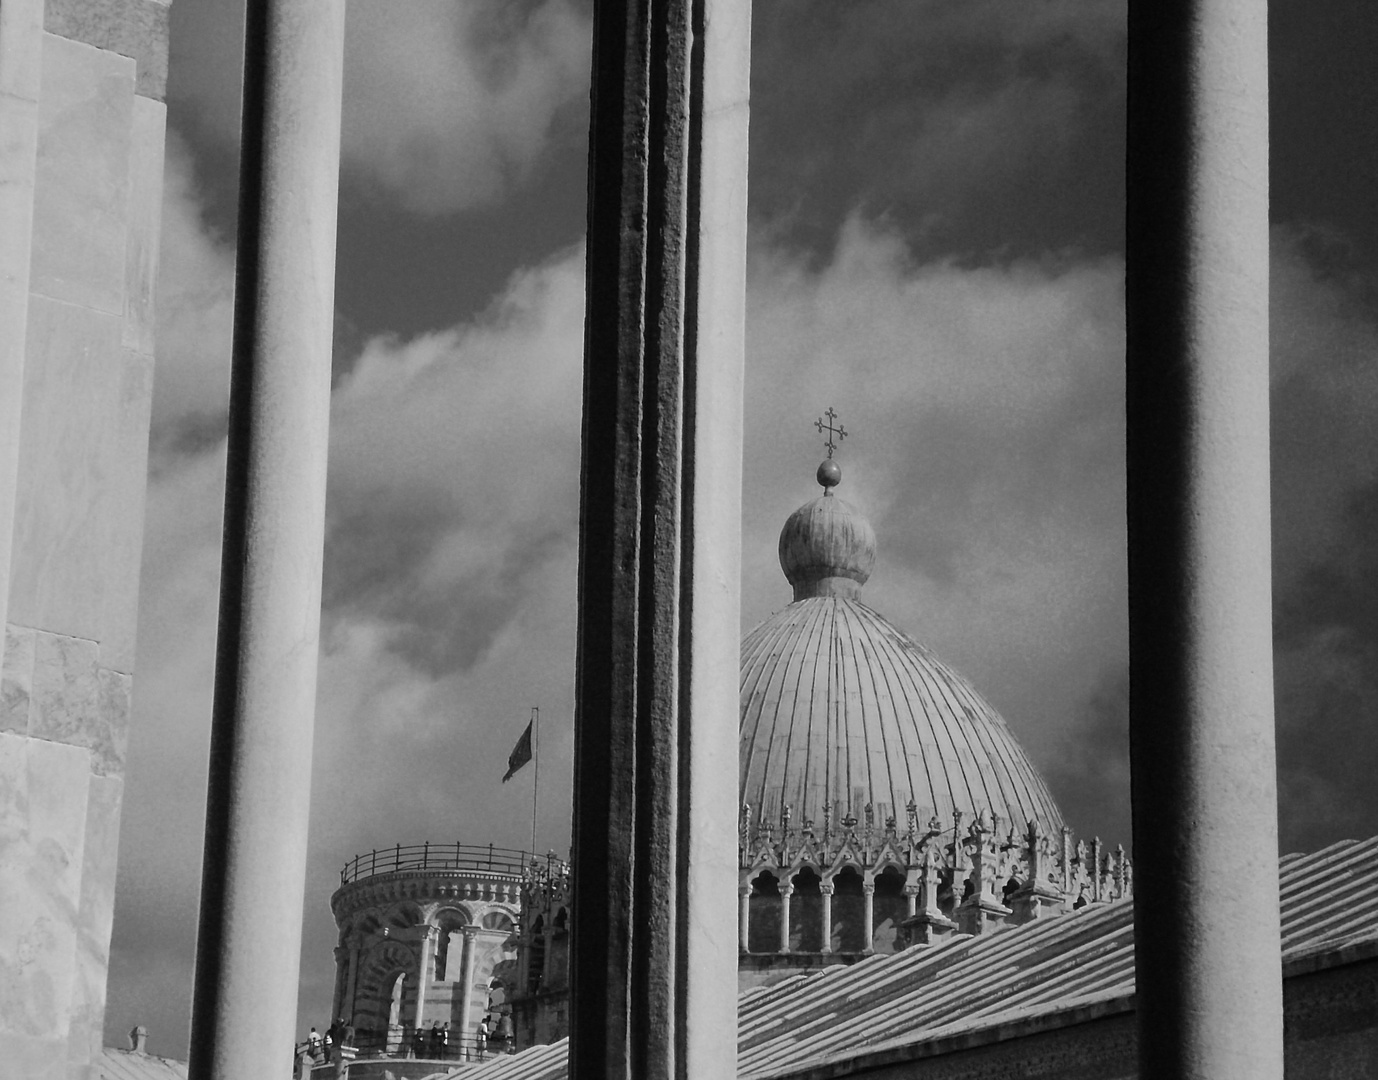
<point x="827" y="548"/>
<point x="829" y="475"/>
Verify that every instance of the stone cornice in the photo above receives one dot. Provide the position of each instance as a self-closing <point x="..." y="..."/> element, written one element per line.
<point x="425" y="886"/>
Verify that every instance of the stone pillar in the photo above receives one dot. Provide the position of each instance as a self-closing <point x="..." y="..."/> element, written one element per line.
<point x="351" y="983"/>
<point x="826" y="890"/>
<point x="744" y="917"/>
<point x="786" y="891"/>
<point x="466" y="984"/>
<point x="868" y="916"/>
<point x="337" y="998"/>
<point x="249" y="941"/>
<point x="429" y="934"/>
<point x="654" y="982"/>
<point x="911" y="899"/>
<point x="1209" y="993"/>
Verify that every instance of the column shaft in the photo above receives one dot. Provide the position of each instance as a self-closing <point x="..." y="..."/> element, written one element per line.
<point x="466" y="987"/>
<point x="253" y="874"/>
<point x="827" y="892"/>
<point x="655" y="827"/>
<point x="341" y="974"/>
<point x="1209" y="988"/>
<point x="423" y="973"/>
<point x="744" y="918"/>
<point x="868" y="916"/>
<point x="786" y="891"/>
<point x="351" y="985"/>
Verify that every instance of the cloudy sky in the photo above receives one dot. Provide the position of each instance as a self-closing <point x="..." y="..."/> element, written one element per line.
<point x="936" y="251"/>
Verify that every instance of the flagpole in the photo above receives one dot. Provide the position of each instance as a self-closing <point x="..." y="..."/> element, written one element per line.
<point x="536" y="781"/>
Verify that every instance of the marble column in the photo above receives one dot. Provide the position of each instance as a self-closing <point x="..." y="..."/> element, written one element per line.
<point x="337" y="998"/>
<point x="868" y="915"/>
<point x="786" y="891"/>
<point x="424" y="973"/>
<point x="466" y="984"/>
<point x="253" y="874"/>
<point x="351" y="983"/>
<point x="654" y="981"/>
<point x="826" y="890"/>
<point x="1203" y="769"/>
<point x="744" y="917"/>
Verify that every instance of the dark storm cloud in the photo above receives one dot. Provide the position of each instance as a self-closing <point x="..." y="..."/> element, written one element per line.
<point x="1089" y="774"/>
<point x="445" y="105"/>
<point x="376" y="554"/>
<point x="982" y="129"/>
<point x="1326" y="637"/>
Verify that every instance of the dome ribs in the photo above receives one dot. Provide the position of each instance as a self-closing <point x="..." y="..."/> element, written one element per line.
<point x="838" y="704"/>
<point x="929" y="787"/>
<point x="866" y="675"/>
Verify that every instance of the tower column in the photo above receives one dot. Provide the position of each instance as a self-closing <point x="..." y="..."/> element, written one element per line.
<point x="654" y="969"/>
<point x="744" y="917"/>
<point x="868" y="916"/>
<point x="429" y="934"/>
<point x="1203" y="766"/>
<point x="466" y="986"/>
<point x="826" y="890"/>
<point x="786" y="891"/>
<point x="341" y="974"/>
<point x="351" y="983"/>
<point x="258" y="799"/>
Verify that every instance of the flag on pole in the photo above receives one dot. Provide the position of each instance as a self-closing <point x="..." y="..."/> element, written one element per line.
<point x="520" y="755"/>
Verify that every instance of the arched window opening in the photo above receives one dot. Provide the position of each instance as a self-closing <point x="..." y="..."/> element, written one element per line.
<point x="806" y="912"/>
<point x="763" y="933"/>
<point x="449" y="945"/>
<point x="849" y="912"/>
<point x="497" y="920"/>
<point x="890" y="907"/>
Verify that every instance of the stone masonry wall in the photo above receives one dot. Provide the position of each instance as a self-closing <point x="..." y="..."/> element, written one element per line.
<point x="81" y="169"/>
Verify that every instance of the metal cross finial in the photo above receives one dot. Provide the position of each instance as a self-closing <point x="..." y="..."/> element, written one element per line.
<point x="840" y="432"/>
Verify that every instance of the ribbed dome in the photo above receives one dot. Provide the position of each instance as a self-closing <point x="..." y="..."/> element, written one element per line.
<point x="840" y="706"/>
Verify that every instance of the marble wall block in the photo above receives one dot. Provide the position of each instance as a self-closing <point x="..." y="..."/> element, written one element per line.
<point x="121" y="510"/>
<point x="146" y="152"/>
<point x="21" y="35"/>
<point x="95" y="918"/>
<point x="43" y="809"/>
<point x="76" y="701"/>
<point x="81" y="198"/>
<point x="16" y="680"/>
<point x="21" y="46"/>
<point x="72" y="385"/>
<point x="134" y="28"/>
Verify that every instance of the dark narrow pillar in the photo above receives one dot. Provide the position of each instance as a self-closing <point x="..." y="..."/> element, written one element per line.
<point x="1201" y="705"/>
<point x="254" y="866"/>
<point x="655" y="803"/>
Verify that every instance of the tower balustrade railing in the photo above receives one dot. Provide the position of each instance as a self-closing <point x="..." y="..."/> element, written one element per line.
<point x="456" y="857"/>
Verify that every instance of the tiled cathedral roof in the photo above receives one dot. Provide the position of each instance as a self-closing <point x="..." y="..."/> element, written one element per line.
<point x="896" y="1007"/>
